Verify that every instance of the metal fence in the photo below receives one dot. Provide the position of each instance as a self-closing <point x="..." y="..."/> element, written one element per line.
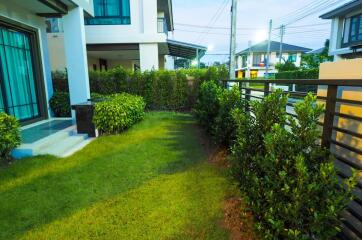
<point x="341" y="128"/>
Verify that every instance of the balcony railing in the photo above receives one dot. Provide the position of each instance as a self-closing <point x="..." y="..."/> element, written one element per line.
<point x="162" y="25"/>
<point x="340" y="128"/>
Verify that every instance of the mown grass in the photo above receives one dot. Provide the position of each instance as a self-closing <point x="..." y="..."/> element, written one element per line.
<point x="152" y="182"/>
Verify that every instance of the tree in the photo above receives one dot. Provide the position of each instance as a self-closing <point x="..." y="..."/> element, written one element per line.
<point x="287" y="66"/>
<point x="310" y="61"/>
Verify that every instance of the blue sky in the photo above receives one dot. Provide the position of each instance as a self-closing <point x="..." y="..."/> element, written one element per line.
<point x="253" y="18"/>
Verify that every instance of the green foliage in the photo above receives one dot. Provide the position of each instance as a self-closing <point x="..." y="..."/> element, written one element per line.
<point x="208" y="104"/>
<point x="162" y="90"/>
<point x="60" y="81"/>
<point x="60" y="104"/>
<point x="312" y="61"/>
<point x="299" y="74"/>
<point x="9" y="135"/>
<point x="287" y="66"/>
<point x="224" y="124"/>
<point x="290" y="181"/>
<point x="118" y="112"/>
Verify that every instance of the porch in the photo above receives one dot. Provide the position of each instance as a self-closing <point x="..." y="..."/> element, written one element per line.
<point x="55" y="136"/>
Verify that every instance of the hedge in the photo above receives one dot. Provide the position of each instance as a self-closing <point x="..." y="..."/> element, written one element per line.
<point x="300" y="74"/>
<point x="60" y="103"/>
<point x="287" y="178"/>
<point x="9" y="135"/>
<point x="161" y="90"/>
<point x="118" y="112"/>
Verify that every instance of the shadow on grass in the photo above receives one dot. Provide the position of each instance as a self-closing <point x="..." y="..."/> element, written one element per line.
<point x="93" y="177"/>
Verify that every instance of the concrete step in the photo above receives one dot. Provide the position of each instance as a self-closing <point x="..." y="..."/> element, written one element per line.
<point x="60" y="144"/>
<point x="63" y="146"/>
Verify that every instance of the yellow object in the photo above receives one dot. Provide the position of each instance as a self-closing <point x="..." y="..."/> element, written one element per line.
<point x="348" y="69"/>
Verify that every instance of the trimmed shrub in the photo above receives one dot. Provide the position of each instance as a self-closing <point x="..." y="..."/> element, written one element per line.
<point x="299" y="74"/>
<point x="208" y="104"/>
<point x="224" y="128"/>
<point x="60" y="81"/>
<point x="60" y="104"/>
<point x="289" y="180"/>
<point x="161" y="90"/>
<point x="118" y="112"/>
<point x="9" y="136"/>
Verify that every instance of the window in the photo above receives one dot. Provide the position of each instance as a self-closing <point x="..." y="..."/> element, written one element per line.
<point x="354" y="27"/>
<point x="54" y="25"/>
<point x="18" y="95"/>
<point x="110" y="12"/>
<point x="292" y="58"/>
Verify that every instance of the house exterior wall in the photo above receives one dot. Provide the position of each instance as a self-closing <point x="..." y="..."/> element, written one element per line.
<point x="23" y="16"/>
<point x="57" y="51"/>
<point x="143" y="27"/>
<point x="250" y="70"/>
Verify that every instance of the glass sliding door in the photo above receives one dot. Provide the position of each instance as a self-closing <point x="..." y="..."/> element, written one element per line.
<point x="17" y="79"/>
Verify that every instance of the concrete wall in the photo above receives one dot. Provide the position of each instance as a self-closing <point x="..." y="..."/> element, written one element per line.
<point x="56" y="51"/>
<point x="23" y="16"/>
<point x="350" y="69"/>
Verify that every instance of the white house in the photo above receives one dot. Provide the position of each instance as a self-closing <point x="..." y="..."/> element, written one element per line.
<point x="346" y="31"/>
<point x="25" y="73"/>
<point x="130" y="33"/>
<point x="251" y="62"/>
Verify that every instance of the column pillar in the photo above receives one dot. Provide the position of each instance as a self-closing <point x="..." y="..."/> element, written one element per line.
<point x="149" y="56"/>
<point x="76" y="56"/>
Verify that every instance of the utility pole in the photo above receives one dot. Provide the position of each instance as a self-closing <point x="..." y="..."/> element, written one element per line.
<point x="282" y="32"/>
<point x="268" y="51"/>
<point x="234" y="9"/>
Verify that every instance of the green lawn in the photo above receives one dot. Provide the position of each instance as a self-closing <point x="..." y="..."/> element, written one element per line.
<point x="151" y="182"/>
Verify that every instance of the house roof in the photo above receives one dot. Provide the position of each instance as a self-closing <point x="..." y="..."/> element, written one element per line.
<point x="185" y="50"/>
<point x="316" y="51"/>
<point x="343" y="10"/>
<point x="274" y="47"/>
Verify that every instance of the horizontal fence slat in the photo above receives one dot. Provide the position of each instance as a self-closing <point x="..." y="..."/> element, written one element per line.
<point x="352" y="133"/>
<point x="324" y="82"/>
<point x="352" y="222"/>
<point x="356" y="209"/>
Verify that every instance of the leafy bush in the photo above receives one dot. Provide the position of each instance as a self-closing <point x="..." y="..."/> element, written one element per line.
<point x="224" y="124"/>
<point x="60" y="81"/>
<point x="287" y="66"/>
<point x="60" y="104"/>
<point x="289" y="180"/>
<point x="118" y="112"/>
<point x="299" y="74"/>
<point x="9" y="135"/>
<point x="162" y="90"/>
<point x="208" y="104"/>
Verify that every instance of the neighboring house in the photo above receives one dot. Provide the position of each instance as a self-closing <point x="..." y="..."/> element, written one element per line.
<point x="346" y="31"/>
<point x="251" y="62"/>
<point x="132" y="34"/>
<point x="25" y="73"/>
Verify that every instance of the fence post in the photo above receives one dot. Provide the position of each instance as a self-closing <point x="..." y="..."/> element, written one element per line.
<point x="247" y="99"/>
<point x="329" y="116"/>
<point x="266" y="89"/>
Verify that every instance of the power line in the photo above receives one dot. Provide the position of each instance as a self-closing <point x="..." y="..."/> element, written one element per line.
<point x="214" y="19"/>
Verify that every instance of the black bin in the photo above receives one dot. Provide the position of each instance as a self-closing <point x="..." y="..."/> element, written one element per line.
<point x="84" y="117"/>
